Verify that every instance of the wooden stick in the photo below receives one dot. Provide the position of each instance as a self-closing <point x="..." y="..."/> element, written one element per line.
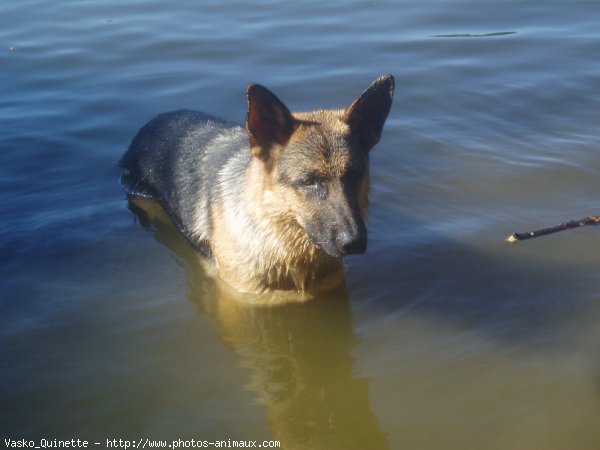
<point x="589" y="220"/>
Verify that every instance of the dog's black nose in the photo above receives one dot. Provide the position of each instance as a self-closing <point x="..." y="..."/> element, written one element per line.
<point x="353" y="243"/>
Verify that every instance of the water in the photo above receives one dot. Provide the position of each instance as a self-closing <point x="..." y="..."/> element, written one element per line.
<point x="445" y="336"/>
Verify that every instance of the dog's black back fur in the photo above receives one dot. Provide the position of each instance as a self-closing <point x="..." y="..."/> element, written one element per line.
<point x="176" y="158"/>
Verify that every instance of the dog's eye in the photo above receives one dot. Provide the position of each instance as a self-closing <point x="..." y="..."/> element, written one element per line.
<point x="313" y="185"/>
<point x="309" y="181"/>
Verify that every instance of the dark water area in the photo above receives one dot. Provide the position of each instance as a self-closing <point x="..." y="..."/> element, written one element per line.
<point x="444" y="336"/>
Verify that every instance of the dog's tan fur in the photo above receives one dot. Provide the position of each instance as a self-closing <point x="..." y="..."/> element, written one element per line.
<point x="284" y="256"/>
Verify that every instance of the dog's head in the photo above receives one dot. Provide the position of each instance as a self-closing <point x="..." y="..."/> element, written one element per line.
<point x="316" y="164"/>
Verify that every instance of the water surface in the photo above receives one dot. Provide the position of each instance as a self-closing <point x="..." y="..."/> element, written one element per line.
<point x="444" y="336"/>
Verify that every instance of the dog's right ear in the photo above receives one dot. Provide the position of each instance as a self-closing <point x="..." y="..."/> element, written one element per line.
<point x="366" y="116"/>
<point x="269" y="122"/>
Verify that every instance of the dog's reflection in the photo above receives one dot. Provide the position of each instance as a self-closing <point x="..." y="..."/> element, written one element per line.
<point x="299" y="354"/>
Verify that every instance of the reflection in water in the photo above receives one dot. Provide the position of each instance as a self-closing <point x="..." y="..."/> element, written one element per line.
<point x="299" y="354"/>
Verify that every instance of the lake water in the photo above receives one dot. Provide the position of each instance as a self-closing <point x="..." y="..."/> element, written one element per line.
<point x="445" y="336"/>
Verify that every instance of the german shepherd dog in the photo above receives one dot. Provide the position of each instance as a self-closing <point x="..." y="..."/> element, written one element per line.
<point x="275" y="206"/>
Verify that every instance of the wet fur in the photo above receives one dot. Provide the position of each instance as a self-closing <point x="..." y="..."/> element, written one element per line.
<point x="242" y="196"/>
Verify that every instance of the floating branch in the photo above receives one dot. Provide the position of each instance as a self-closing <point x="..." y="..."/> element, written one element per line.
<point x="589" y="220"/>
<point x="467" y="35"/>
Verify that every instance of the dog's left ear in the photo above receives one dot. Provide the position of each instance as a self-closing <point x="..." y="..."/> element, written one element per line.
<point x="268" y="122"/>
<point x="367" y="114"/>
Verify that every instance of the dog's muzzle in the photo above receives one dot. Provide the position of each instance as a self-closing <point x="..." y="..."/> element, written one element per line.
<point x="348" y="241"/>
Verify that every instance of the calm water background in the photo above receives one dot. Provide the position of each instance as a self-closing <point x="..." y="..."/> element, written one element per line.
<point x="446" y="337"/>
